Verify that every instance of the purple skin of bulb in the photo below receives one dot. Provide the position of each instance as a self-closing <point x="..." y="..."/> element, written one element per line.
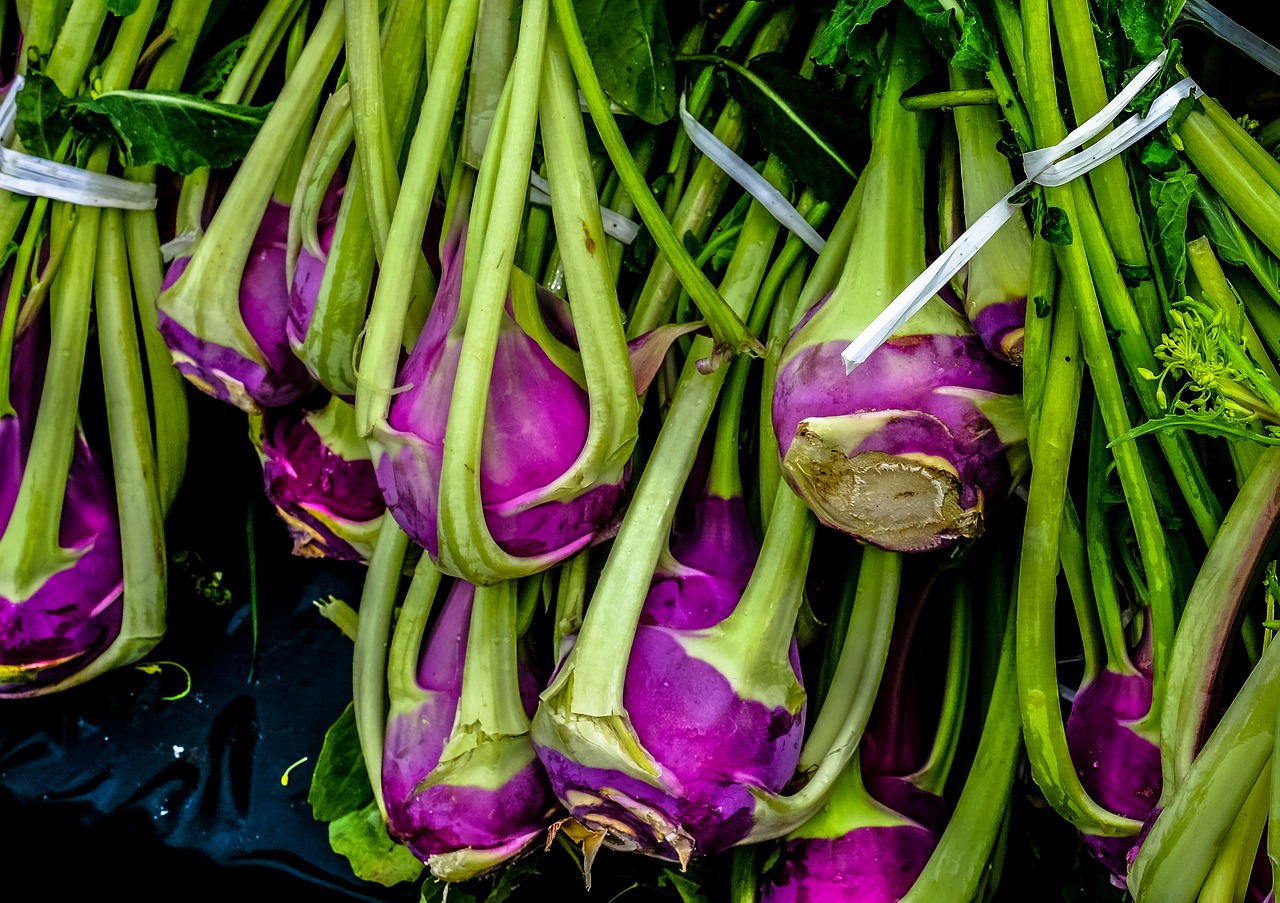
<point x="442" y="818"/>
<point x="266" y="308"/>
<point x="326" y="500"/>
<point x="712" y="744"/>
<point x="536" y="423"/>
<point x="1118" y="767"/>
<point x="867" y="865"/>
<point x="77" y="613"/>
<point x="310" y="269"/>
<point x="915" y="378"/>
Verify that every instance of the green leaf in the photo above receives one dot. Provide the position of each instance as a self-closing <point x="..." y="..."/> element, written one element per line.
<point x="687" y="888"/>
<point x="959" y="34"/>
<point x="847" y="44"/>
<point x="211" y="76"/>
<point x="1234" y="243"/>
<point x="1171" y="202"/>
<point x="340" y="783"/>
<point x="122" y="7"/>
<point x="435" y="891"/>
<point x="813" y="130"/>
<point x="1207" y="423"/>
<point x="179" y="131"/>
<point x="361" y="837"/>
<point x="1144" y="27"/>
<point x="1055" y="226"/>
<point x="40" y="117"/>
<point x="630" y="45"/>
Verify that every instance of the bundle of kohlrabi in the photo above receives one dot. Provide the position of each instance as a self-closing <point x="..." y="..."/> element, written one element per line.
<point x="83" y="565"/>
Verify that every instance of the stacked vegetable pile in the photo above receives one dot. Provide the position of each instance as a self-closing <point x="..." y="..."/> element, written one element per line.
<point x="689" y="531"/>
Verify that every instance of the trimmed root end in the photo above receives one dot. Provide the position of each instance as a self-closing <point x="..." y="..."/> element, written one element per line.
<point x="901" y="503"/>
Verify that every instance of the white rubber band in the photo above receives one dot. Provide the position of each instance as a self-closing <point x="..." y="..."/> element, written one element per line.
<point x="27" y="174"/>
<point x="1049" y="166"/>
<point x="615" y="224"/>
<point x="751" y="181"/>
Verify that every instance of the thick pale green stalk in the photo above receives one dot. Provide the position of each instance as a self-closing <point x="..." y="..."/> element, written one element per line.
<point x="1244" y="189"/>
<point x="726" y="324"/>
<point x="833" y="741"/>
<point x="1175" y="858"/>
<point x="1225" y="576"/>
<point x="489" y="704"/>
<point x="30" y="552"/>
<point x="465" y="543"/>
<point x="368" y="111"/>
<point x="1257" y="156"/>
<point x="142" y="239"/>
<point x="394" y="293"/>
<point x="369" y="659"/>
<point x="403" y="690"/>
<point x="1035" y="341"/>
<point x="1228" y="879"/>
<point x="958" y="866"/>
<point x="133" y="460"/>
<point x="1077" y="313"/>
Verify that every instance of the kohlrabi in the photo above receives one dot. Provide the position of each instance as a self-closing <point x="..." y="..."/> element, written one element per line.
<point x="913" y="448"/>
<point x="461" y="785"/>
<point x="223" y="311"/>
<point x="319" y="475"/>
<point x="540" y="420"/>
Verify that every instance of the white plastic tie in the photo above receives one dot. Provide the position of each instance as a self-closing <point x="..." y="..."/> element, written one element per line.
<point x="1234" y="33"/>
<point x="27" y="174"/>
<point x="1049" y="166"/>
<point x="615" y="224"/>
<point x="751" y="181"/>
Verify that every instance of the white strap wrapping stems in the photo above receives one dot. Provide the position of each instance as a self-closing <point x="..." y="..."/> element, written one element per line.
<point x="1047" y="166"/>
<point x="27" y="174"/>
<point x="751" y="181"/>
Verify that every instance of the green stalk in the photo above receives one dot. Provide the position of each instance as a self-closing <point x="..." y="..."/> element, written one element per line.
<point x="571" y="599"/>
<point x="1101" y="565"/>
<point x="329" y="347"/>
<point x="932" y="775"/>
<point x="133" y="460"/>
<point x="1147" y="524"/>
<point x="833" y="742"/>
<point x="1043" y="727"/>
<point x="586" y="718"/>
<point x="265" y="36"/>
<point x="393" y="296"/>
<point x="1259" y="160"/>
<point x="1176" y="856"/>
<point x="958" y="866"/>
<point x="726" y="324"/>
<point x="142" y="241"/>
<point x="1225" y="576"/>
<point x="1230" y="174"/>
<point x="1228" y="879"/>
<point x="1110" y="180"/>
<point x="30" y="552"/>
<point x="369" y="659"/>
<point x="1137" y="355"/>
<point x="369" y="114"/>
<point x="1036" y="339"/>
<point x="13" y="303"/>
<point x="206" y="298"/>
<point x="489" y="705"/>
<point x="404" y="694"/>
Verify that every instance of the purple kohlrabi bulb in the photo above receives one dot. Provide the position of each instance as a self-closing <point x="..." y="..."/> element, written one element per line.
<point x="226" y="373"/>
<point x="713" y="741"/>
<point x="867" y="865"/>
<point x="1119" y="767"/>
<point x="309" y="273"/>
<point x="319" y="475"/>
<point x="535" y="427"/>
<point x="462" y="813"/>
<point x="77" y="612"/>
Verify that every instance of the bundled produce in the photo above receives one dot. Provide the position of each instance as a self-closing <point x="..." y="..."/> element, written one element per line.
<point x="495" y="283"/>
